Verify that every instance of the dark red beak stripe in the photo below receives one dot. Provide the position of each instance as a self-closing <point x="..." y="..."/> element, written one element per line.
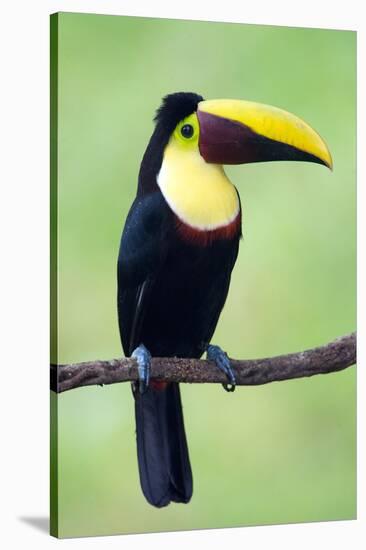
<point x="224" y="141"/>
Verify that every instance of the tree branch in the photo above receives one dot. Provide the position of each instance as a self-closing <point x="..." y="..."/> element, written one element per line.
<point x="333" y="357"/>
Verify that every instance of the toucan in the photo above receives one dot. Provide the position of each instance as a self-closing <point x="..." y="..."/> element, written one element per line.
<point x="178" y="247"/>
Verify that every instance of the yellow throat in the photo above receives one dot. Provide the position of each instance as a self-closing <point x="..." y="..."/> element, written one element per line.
<point x="199" y="193"/>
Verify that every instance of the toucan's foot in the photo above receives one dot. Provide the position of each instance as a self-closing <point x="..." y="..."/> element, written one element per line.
<point x="220" y="358"/>
<point x="143" y="358"/>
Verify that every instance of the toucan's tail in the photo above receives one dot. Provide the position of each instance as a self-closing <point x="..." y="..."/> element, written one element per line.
<point x="165" y="470"/>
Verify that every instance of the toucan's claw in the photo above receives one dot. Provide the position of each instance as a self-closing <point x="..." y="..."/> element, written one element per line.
<point x="221" y="360"/>
<point x="143" y="358"/>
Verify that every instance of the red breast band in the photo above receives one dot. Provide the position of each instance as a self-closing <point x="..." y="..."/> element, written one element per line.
<point x="206" y="237"/>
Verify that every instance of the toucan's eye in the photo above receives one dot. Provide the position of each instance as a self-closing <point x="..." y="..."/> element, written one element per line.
<point x="187" y="131"/>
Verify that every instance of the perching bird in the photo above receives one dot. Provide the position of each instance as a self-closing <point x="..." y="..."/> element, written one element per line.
<point x="178" y="248"/>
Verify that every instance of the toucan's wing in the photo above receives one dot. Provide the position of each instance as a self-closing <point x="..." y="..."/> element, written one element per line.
<point x="143" y="249"/>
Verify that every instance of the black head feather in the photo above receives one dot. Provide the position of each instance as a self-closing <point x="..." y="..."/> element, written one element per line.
<point x="174" y="108"/>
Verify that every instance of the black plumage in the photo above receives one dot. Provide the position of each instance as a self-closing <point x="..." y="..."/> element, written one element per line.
<point x="170" y="295"/>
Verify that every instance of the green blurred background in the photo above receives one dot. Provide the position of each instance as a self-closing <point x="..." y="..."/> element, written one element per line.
<point x="273" y="454"/>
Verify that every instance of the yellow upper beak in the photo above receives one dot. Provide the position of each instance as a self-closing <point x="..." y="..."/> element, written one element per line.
<point x="244" y="131"/>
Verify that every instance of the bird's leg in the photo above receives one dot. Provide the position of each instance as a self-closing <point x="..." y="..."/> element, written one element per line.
<point x="143" y="358"/>
<point x="221" y="360"/>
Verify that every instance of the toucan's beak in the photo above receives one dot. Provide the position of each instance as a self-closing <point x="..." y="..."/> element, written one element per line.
<point x="238" y="132"/>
